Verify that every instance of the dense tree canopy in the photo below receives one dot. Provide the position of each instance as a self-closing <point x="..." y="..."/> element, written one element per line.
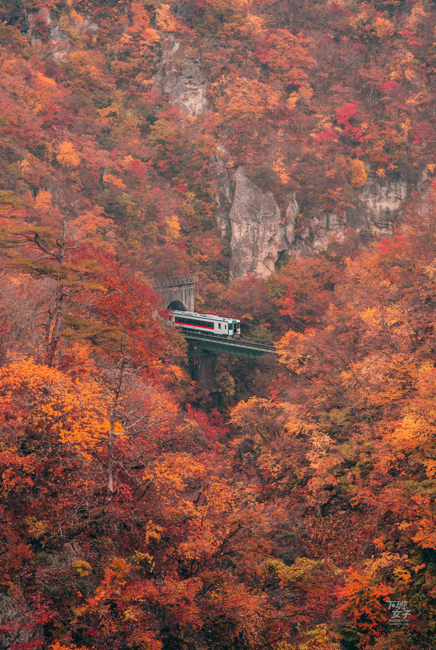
<point x="134" y="516"/>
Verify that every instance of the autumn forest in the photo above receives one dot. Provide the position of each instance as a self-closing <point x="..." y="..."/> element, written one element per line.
<point x="283" y="152"/>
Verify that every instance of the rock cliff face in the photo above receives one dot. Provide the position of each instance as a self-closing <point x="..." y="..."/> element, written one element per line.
<point x="375" y="209"/>
<point x="14" y="628"/>
<point x="223" y="190"/>
<point x="259" y="233"/>
<point x="182" y="78"/>
<point x="381" y="203"/>
<point x="58" y="39"/>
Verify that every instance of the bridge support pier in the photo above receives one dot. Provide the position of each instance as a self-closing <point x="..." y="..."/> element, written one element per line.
<point x="202" y="366"/>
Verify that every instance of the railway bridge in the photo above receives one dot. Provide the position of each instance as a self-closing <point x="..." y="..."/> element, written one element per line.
<point x="178" y="292"/>
<point x="202" y="355"/>
<point x="239" y="347"/>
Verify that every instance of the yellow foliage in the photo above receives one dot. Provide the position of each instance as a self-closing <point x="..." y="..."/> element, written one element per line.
<point x="294" y="350"/>
<point x="384" y="378"/>
<point x="402" y="574"/>
<point x="47" y="400"/>
<point x="298" y="425"/>
<point x="279" y="168"/>
<point x="35" y="527"/>
<point x="380" y="172"/>
<point x="152" y="531"/>
<point x="60" y="646"/>
<point x="46" y="81"/>
<point x="178" y="373"/>
<point x="93" y="226"/>
<point x="383" y="27"/>
<point x="321" y="636"/>
<point x="173" y="226"/>
<point x="43" y="201"/>
<point x="306" y="92"/>
<point x="125" y="163"/>
<point x="419" y="98"/>
<point x="417" y="15"/>
<point x="140" y="557"/>
<point x="359" y="21"/>
<point x="244" y="98"/>
<point x="165" y="20"/>
<point x="292" y="100"/>
<point x="406" y="126"/>
<point x="372" y="316"/>
<point x="84" y="69"/>
<point x="109" y="114"/>
<point x="253" y="25"/>
<point x="358" y="173"/>
<point x="244" y="412"/>
<point x="76" y="18"/>
<point x="113" y="180"/>
<point x="83" y="568"/>
<point x="24" y="166"/>
<point x="67" y="156"/>
<point x="171" y="473"/>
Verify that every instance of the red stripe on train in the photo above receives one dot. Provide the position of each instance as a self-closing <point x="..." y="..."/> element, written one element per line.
<point x="190" y="325"/>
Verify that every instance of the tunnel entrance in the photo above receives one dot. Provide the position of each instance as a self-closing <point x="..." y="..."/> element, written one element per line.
<point x="177" y="305"/>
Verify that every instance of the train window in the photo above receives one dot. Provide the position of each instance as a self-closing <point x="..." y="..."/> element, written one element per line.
<point x="183" y="320"/>
<point x="219" y="325"/>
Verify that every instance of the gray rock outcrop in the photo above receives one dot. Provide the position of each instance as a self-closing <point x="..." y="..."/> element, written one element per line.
<point x="58" y="40"/>
<point x="372" y="213"/>
<point x="17" y="627"/>
<point x="183" y="79"/>
<point x="223" y="190"/>
<point x="259" y="233"/>
<point x="381" y="203"/>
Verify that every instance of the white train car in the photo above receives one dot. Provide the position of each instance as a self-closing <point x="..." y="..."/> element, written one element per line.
<point x="206" y="323"/>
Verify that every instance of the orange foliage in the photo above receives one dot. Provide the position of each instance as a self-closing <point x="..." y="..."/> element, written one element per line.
<point x="129" y="519"/>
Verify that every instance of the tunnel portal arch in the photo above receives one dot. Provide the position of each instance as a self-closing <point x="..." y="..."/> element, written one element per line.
<point x="177" y="305"/>
<point x="176" y="292"/>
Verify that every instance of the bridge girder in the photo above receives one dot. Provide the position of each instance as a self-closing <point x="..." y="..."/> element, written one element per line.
<point x="236" y="347"/>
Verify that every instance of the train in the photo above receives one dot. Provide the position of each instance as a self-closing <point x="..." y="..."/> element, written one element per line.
<point x="206" y="323"/>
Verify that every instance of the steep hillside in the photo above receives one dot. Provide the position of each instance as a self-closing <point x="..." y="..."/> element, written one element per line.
<point x="285" y="124"/>
<point x="284" y="152"/>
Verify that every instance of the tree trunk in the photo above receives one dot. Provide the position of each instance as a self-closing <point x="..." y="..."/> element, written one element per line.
<point x="55" y="321"/>
<point x="112" y="419"/>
